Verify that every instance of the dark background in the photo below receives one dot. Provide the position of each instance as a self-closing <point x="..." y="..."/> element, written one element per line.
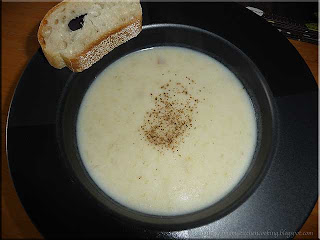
<point x="296" y="20"/>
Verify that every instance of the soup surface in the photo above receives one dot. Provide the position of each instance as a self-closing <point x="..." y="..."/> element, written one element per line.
<point x="166" y="131"/>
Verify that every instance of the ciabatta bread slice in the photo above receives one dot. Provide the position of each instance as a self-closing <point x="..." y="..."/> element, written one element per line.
<point x="106" y="25"/>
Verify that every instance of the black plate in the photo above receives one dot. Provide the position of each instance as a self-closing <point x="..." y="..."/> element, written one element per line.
<point x="276" y="195"/>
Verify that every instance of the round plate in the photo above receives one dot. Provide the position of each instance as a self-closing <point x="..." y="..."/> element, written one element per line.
<point x="60" y="206"/>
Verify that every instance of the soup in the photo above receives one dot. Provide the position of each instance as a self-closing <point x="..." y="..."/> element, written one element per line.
<point x="166" y="131"/>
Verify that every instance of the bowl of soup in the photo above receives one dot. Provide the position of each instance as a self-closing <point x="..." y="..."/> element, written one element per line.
<point x="172" y="130"/>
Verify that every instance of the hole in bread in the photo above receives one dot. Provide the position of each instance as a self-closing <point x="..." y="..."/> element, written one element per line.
<point x="46" y="31"/>
<point x="63" y="45"/>
<point x="95" y="14"/>
<point x="56" y="21"/>
<point x="101" y="5"/>
<point x="76" y="23"/>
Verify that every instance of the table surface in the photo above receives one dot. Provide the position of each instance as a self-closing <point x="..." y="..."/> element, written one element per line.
<point x="20" y="23"/>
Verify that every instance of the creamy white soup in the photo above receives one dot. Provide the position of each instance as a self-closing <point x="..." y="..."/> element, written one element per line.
<point x="166" y="131"/>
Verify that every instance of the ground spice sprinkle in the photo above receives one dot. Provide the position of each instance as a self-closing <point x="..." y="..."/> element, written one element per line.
<point x="166" y="125"/>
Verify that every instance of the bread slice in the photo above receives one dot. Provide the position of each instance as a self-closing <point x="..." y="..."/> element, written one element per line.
<point x="106" y="25"/>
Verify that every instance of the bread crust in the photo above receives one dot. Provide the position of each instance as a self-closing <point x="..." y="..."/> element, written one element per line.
<point x="106" y="43"/>
<point x="94" y="51"/>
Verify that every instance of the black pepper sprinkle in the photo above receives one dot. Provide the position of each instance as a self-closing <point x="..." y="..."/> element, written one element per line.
<point x="166" y="125"/>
